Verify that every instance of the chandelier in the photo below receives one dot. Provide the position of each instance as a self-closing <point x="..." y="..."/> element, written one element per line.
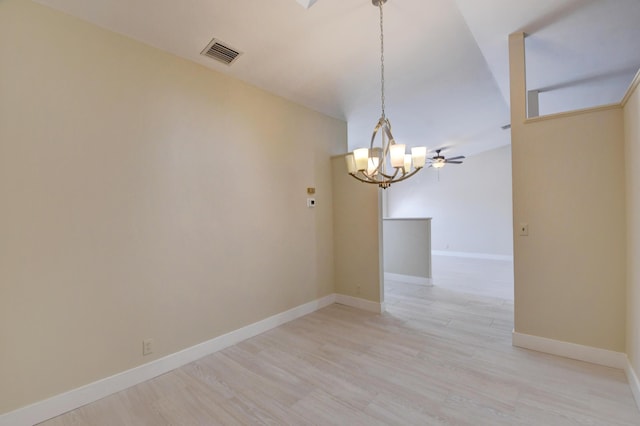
<point x="388" y="163"/>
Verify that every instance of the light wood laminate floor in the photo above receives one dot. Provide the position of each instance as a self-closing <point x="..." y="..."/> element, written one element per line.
<point x="483" y="277"/>
<point x="436" y="357"/>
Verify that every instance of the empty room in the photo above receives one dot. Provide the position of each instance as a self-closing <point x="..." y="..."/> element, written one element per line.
<point x="194" y="199"/>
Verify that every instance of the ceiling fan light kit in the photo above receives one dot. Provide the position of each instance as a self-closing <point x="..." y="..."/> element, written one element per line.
<point x="438" y="161"/>
<point x="388" y="163"/>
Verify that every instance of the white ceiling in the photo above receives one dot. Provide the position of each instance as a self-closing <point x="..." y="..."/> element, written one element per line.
<point x="446" y="61"/>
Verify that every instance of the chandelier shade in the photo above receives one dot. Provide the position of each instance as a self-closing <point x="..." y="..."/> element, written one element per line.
<point x="387" y="162"/>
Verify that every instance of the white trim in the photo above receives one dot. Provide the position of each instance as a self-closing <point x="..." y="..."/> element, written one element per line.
<point x="355" y="302"/>
<point x="60" y="404"/>
<point x="487" y="256"/>
<point x="410" y="279"/>
<point x="572" y="113"/>
<point x="570" y="350"/>
<point x="634" y="383"/>
<point x="632" y="87"/>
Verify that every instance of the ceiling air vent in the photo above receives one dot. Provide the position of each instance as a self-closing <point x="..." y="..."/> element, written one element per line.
<point x="221" y="52"/>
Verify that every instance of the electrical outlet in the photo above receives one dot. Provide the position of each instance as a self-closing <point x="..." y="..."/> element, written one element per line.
<point x="524" y="229"/>
<point x="147" y="347"/>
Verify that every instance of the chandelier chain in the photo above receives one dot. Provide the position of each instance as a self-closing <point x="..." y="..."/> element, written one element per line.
<point x="382" y="58"/>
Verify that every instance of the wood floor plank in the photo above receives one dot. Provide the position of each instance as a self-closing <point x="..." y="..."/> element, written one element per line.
<point x="436" y="357"/>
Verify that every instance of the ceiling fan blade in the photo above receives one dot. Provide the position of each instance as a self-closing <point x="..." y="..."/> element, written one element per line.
<point x="459" y="157"/>
<point x="453" y="162"/>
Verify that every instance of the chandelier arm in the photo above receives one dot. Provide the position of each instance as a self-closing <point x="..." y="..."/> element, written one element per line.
<point x="407" y="176"/>
<point x="393" y="176"/>
<point x="382" y="167"/>
<point x="382" y="183"/>
<point x="383" y="124"/>
<point x="368" y="179"/>
<point x="387" y="147"/>
<point x="388" y="127"/>
<point x="391" y="139"/>
<point x="361" y="179"/>
<point x="375" y="132"/>
<point x="372" y="182"/>
<point x="371" y="178"/>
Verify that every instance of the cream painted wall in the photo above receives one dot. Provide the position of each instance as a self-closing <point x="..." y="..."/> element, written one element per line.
<point x="568" y="185"/>
<point x="470" y="203"/>
<point x="632" y="156"/>
<point x="357" y="235"/>
<point x="143" y="196"/>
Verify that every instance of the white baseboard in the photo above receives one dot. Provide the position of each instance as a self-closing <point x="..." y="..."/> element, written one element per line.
<point x="473" y="255"/>
<point x="571" y="350"/>
<point x="634" y="383"/>
<point x="365" y="305"/>
<point x="60" y="404"/>
<point x="411" y="279"/>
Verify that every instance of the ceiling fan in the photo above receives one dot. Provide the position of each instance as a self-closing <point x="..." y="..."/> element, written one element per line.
<point x="438" y="161"/>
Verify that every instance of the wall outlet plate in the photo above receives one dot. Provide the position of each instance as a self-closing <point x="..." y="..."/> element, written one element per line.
<point x="147" y="347"/>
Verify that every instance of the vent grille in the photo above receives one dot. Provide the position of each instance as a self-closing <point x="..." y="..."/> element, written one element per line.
<point x="221" y="52"/>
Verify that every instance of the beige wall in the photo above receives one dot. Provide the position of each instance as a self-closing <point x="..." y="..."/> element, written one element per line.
<point x="470" y="203"/>
<point x="143" y="196"/>
<point x="632" y="156"/>
<point x="357" y="235"/>
<point x="568" y="185"/>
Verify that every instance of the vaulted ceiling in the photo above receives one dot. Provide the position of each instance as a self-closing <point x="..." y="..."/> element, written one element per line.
<point x="446" y="61"/>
